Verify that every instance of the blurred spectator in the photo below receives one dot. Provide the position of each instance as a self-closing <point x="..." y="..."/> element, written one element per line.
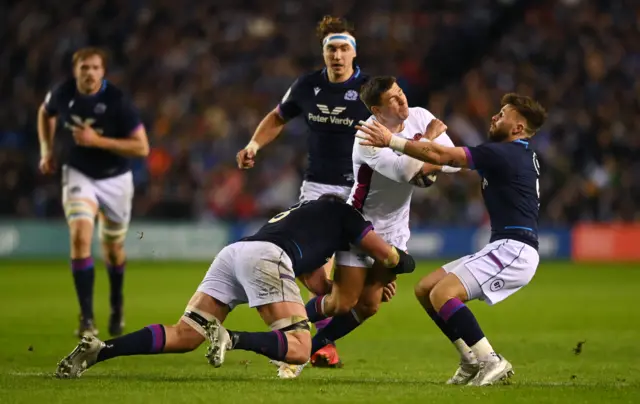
<point x="203" y="73"/>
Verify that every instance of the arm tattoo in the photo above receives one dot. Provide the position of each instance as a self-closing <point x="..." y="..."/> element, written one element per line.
<point x="452" y="163"/>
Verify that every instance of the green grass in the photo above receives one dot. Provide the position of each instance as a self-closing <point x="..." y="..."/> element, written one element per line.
<point x="396" y="357"/>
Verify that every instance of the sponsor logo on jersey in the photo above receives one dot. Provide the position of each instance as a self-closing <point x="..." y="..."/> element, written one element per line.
<point x="330" y="116"/>
<point x="316" y="90"/>
<point x="78" y="122"/>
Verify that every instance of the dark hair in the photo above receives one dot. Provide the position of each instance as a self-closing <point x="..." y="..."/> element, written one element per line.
<point x="332" y="197"/>
<point x="333" y="25"/>
<point x="531" y="111"/>
<point x="83" y="53"/>
<point x="371" y="92"/>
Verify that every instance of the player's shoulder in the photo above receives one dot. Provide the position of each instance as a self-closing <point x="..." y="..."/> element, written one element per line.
<point x="64" y="87"/>
<point x="315" y="77"/>
<point x="112" y="92"/>
<point x="422" y="114"/>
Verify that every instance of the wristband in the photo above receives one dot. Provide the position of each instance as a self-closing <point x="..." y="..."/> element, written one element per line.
<point x="397" y="143"/>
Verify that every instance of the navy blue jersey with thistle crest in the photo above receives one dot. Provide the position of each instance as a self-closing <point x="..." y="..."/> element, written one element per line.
<point x="109" y="112"/>
<point x="510" y="187"/>
<point x="311" y="232"/>
<point x="331" y="110"/>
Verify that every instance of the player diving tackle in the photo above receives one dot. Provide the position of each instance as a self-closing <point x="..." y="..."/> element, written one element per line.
<point x="260" y="270"/>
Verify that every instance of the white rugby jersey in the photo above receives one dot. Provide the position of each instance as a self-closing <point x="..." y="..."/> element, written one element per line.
<point x="382" y="191"/>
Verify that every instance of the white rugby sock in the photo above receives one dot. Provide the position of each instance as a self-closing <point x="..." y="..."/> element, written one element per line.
<point x="466" y="354"/>
<point x="484" y="351"/>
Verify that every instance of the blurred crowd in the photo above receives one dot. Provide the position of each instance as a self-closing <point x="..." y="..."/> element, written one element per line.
<point x="204" y="73"/>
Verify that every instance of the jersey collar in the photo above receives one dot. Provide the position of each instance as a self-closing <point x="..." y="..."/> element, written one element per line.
<point x="355" y="75"/>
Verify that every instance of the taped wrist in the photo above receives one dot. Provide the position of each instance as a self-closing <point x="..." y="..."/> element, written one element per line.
<point x="406" y="263"/>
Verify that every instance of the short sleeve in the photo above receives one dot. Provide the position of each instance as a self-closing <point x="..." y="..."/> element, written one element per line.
<point x="355" y="226"/>
<point x="291" y="105"/>
<point x="129" y="116"/>
<point x="486" y="157"/>
<point x="51" y="101"/>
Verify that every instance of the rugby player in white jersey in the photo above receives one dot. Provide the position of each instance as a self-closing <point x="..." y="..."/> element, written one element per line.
<point x="384" y="183"/>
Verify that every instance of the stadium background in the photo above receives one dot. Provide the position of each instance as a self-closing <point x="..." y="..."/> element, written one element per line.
<point x="203" y="74"/>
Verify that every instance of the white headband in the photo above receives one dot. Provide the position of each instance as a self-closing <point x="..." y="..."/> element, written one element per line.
<point x="339" y="39"/>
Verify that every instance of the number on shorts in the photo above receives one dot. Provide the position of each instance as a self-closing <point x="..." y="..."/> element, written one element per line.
<point x="284" y="214"/>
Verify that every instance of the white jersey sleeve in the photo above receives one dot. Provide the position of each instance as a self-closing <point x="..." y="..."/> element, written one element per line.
<point x="443" y="140"/>
<point x="400" y="168"/>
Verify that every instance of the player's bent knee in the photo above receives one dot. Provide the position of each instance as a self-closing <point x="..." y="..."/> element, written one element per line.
<point x="111" y="232"/>
<point x="197" y="319"/>
<point x="366" y="310"/>
<point x="79" y="210"/>
<point x="343" y="304"/>
<point x="188" y="338"/>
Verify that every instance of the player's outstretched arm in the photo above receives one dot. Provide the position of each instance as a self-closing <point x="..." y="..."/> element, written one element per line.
<point x="374" y="134"/>
<point x="267" y="131"/>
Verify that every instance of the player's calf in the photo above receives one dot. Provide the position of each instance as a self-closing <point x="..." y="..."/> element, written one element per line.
<point x="289" y="341"/>
<point x="80" y="215"/>
<point x="112" y="237"/>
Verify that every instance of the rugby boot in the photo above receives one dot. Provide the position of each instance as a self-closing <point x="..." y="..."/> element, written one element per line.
<point x="326" y="357"/>
<point x="80" y="359"/>
<point x="219" y="342"/>
<point x="491" y="372"/>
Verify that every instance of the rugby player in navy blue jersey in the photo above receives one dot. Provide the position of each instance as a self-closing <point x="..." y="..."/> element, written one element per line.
<point x="509" y="171"/>
<point x="99" y="130"/>
<point x="260" y="270"/>
<point x="328" y="100"/>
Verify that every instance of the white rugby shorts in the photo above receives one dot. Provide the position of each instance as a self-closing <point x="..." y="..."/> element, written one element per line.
<point x="310" y="191"/>
<point x="254" y="272"/>
<point x="112" y="195"/>
<point x="357" y="258"/>
<point x="497" y="271"/>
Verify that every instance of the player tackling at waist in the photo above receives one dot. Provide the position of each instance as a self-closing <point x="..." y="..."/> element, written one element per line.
<point x="260" y="270"/>
<point x="509" y="171"/>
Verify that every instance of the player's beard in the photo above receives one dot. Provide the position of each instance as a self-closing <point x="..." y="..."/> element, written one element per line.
<point x="497" y="134"/>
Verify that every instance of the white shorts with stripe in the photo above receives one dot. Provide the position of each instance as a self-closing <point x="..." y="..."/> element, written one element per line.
<point x="497" y="271"/>
<point x="310" y="191"/>
<point x="355" y="257"/>
<point x="112" y="195"/>
<point x="254" y="272"/>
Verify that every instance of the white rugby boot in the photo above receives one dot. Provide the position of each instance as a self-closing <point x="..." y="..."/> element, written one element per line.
<point x="466" y="371"/>
<point x="286" y="371"/>
<point x="219" y="343"/>
<point x="491" y="372"/>
<point x="80" y="359"/>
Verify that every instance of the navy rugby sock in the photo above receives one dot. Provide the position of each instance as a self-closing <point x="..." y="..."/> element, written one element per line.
<point x="337" y="328"/>
<point x="314" y="310"/>
<point x="83" y="278"/>
<point x="458" y="316"/>
<point x="446" y="329"/>
<point x="273" y="344"/>
<point x="116" y="281"/>
<point x="147" y="341"/>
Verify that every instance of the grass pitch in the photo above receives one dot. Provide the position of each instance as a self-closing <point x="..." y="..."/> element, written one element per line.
<point x="398" y="356"/>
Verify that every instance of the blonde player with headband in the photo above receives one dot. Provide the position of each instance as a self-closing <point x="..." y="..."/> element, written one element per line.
<point x="329" y="101"/>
